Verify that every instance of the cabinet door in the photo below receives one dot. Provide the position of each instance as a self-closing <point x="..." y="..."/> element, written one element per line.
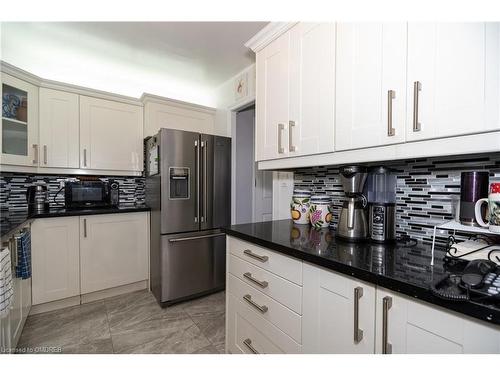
<point x="55" y="259"/>
<point x="113" y="250"/>
<point x="110" y="135"/>
<point x="415" y="327"/>
<point x="370" y="84"/>
<point x="453" y="79"/>
<point x="59" y="129"/>
<point x="330" y="312"/>
<point x="16" y="312"/>
<point x="272" y="100"/>
<point x="312" y="88"/>
<point x="19" y="122"/>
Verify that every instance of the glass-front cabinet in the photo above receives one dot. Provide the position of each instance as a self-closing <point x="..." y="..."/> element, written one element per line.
<point x="19" y="143"/>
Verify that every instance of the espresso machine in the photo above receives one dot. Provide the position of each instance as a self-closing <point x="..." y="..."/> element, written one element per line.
<point x="381" y="187"/>
<point x="353" y="223"/>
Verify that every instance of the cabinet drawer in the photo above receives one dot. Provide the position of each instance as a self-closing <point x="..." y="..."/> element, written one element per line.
<point x="281" y="265"/>
<point x="248" y="330"/>
<point x="283" y="291"/>
<point x="279" y="315"/>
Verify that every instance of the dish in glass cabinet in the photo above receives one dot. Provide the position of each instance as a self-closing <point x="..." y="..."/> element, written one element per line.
<point x="10" y="104"/>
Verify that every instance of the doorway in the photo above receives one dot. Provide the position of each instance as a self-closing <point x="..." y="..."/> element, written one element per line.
<point x="253" y="189"/>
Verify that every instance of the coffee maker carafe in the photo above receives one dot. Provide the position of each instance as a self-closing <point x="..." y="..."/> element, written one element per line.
<point x="381" y="187"/>
<point x="353" y="223"/>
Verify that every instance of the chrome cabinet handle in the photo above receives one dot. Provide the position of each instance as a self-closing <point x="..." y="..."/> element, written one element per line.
<point x="249" y="345"/>
<point x="281" y="128"/>
<point x="85" y="228"/>
<point x="197" y="176"/>
<point x="386" y="305"/>
<point x="263" y="309"/>
<point x="45" y="154"/>
<point x="35" y="158"/>
<point x="417" y="86"/>
<point x="262" y="284"/>
<point x="291" y="147"/>
<point x="262" y="258"/>
<point x="84" y="157"/>
<point x="391" y="94"/>
<point x="358" y="333"/>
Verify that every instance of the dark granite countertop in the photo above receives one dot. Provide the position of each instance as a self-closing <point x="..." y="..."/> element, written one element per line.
<point x="403" y="267"/>
<point x="11" y="220"/>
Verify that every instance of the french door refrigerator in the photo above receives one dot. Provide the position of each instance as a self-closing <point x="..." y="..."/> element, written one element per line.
<point x="188" y="187"/>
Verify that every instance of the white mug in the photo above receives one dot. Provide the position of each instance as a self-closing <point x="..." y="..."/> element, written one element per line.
<point x="493" y="201"/>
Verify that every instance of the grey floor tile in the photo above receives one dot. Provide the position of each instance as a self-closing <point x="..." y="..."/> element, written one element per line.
<point x="212" y="324"/>
<point x="211" y="303"/>
<point x="221" y="348"/>
<point x="210" y="349"/>
<point x="100" y="346"/>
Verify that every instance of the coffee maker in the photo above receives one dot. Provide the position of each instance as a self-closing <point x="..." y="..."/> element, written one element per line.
<point x="381" y="187"/>
<point x="353" y="223"/>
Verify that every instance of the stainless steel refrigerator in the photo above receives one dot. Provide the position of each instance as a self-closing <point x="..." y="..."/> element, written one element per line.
<point x="188" y="187"/>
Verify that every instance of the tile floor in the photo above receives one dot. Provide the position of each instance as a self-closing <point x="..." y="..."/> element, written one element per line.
<point x="131" y="323"/>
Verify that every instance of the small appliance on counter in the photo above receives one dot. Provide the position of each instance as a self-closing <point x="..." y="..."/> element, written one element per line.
<point x="381" y="187"/>
<point x="353" y="223"/>
<point x="38" y="197"/>
<point x="91" y="194"/>
<point x="473" y="187"/>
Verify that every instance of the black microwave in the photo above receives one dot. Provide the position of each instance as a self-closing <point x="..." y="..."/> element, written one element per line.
<point x="88" y="194"/>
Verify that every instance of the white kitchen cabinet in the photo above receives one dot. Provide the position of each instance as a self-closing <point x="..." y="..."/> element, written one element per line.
<point x="272" y="90"/>
<point x="338" y="313"/>
<point x="59" y="129"/>
<point x="415" y="327"/>
<point x="370" y="85"/>
<point x="55" y="258"/>
<point x="453" y="79"/>
<point x="113" y="250"/>
<point x="312" y="89"/>
<point x="19" y="140"/>
<point x="110" y="135"/>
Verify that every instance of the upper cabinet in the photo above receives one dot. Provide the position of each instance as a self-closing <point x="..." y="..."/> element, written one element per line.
<point x="19" y="122"/>
<point x="371" y="85"/>
<point x="453" y="79"/>
<point x="271" y="118"/>
<point x="59" y="129"/>
<point x="110" y="135"/>
<point x="295" y="93"/>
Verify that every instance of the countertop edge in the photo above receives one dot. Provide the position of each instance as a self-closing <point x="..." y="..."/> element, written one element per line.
<point x="469" y="308"/>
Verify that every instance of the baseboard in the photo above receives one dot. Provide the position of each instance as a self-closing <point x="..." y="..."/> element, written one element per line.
<point x="55" y="305"/>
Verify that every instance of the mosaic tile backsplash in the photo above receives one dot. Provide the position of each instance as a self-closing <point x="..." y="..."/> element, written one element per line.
<point x="13" y="189"/>
<point x="427" y="190"/>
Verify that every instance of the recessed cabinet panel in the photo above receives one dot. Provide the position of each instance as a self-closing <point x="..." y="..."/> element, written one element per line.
<point x="370" y="84"/>
<point x="312" y="88"/>
<point x="453" y="79"/>
<point x="110" y="135"/>
<point x="59" y="129"/>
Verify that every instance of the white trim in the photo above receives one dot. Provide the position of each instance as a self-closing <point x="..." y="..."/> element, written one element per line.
<point x="76" y="171"/>
<point x="460" y="145"/>
<point x="269" y="33"/>
<point x="55" y="85"/>
<point x="151" y="98"/>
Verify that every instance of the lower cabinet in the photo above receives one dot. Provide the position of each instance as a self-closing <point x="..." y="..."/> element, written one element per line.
<point x="55" y="258"/>
<point x="83" y="254"/>
<point x="404" y="325"/>
<point x="113" y="250"/>
<point x="339" y="313"/>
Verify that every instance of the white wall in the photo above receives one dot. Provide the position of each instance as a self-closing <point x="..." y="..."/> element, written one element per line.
<point x="226" y="100"/>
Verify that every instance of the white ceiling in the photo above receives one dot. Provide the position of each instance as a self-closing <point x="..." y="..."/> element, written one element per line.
<point x="182" y="55"/>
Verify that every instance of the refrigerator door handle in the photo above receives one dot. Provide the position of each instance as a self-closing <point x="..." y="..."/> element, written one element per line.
<point x="195" y="237"/>
<point x="197" y="176"/>
<point x="205" y="198"/>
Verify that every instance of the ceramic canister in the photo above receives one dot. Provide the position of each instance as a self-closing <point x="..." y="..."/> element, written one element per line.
<point x="320" y="212"/>
<point x="299" y="207"/>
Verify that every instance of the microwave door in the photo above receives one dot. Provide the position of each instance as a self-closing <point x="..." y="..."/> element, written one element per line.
<point x="179" y="164"/>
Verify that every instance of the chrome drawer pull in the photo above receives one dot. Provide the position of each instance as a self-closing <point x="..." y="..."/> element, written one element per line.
<point x="262" y="284"/>
<point x="358" y="333"/>
<point x="262" y="258"/>
<point x="249" y="345"/>
<point x="281" y="128"/>
<point x="391" y="94"/>
<point x="263" y="309"/>
<point x="417" y="87"/>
